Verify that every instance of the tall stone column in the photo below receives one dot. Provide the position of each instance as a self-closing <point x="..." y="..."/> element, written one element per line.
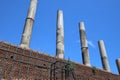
<point x="26" y="36"/>
<point x="60" y="35"/>
<point x="103" y="54"/>
<point x="118" y="64"/>
<point x="84" y="45"/>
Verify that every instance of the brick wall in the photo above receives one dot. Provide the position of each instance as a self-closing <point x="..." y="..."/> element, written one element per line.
<point x="24" y="64"/>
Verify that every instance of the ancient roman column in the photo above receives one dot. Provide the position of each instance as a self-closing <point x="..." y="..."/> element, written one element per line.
<point x="60" y="35"/>
<point x="103" y="54"/>
<point x="118" y="64"/>
<point x="84" y="45"/>
<point x="26" y="36"/>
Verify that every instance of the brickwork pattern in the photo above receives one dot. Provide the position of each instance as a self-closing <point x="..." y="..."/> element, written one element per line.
<point x="24" y="64"/>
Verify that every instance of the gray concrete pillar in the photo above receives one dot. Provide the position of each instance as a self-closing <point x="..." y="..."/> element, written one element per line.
<point x="103" y="54"/>
<point x="26" y="36"/>
<point x="84" y="45"/>
<point x="118" y="64"/>
<point x="60" y="35"/>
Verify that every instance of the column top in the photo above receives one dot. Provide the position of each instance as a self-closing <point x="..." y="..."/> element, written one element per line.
<point x="118" y="59"/>
<point x="100" y="41"/>
<point x="60" y="11"/>
<point x="81" y="25"/>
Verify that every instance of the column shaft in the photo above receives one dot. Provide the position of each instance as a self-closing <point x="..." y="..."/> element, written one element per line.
<point x="103" y="54"/>
<point x="60" y="35"/>
<point x="118" y="64"/>
<point x="84" y="45"/>
<point x="26" y="36"/>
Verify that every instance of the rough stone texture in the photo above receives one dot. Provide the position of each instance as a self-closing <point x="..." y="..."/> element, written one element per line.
<point x="118" y="64"/>
<point x="84" y="45"/>
<point x="60" y="35"/>
<point x="26" y="36"/>
<point x="103" y="54"/>
<point x="24" y="64"/>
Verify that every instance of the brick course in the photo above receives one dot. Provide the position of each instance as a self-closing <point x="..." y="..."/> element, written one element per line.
<point x="24" y="64"/>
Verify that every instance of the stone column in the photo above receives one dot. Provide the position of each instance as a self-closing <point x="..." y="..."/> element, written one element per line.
<point x="118" y="64"/>
<point x="60" y="35"/>
<point x="103" y="54"/>
<point x="26" y="36"/>
<point x="84" y="45"/>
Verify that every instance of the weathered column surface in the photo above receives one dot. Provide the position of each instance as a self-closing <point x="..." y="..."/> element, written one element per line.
<point x="118" y="64"/>
<point x="103" y="54"/>
<point x="26" y="36"/>
<point x="60" y="35"/>
<point x="84" y="45"/>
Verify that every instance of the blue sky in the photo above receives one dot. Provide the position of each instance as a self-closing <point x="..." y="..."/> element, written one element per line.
<point x="101" y="18"/>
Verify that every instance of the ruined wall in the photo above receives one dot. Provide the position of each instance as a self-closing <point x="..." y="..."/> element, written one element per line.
<point x="21" y="64"/>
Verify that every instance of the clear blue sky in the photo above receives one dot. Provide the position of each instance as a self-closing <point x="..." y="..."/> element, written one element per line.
<point x="101" y="18"/>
